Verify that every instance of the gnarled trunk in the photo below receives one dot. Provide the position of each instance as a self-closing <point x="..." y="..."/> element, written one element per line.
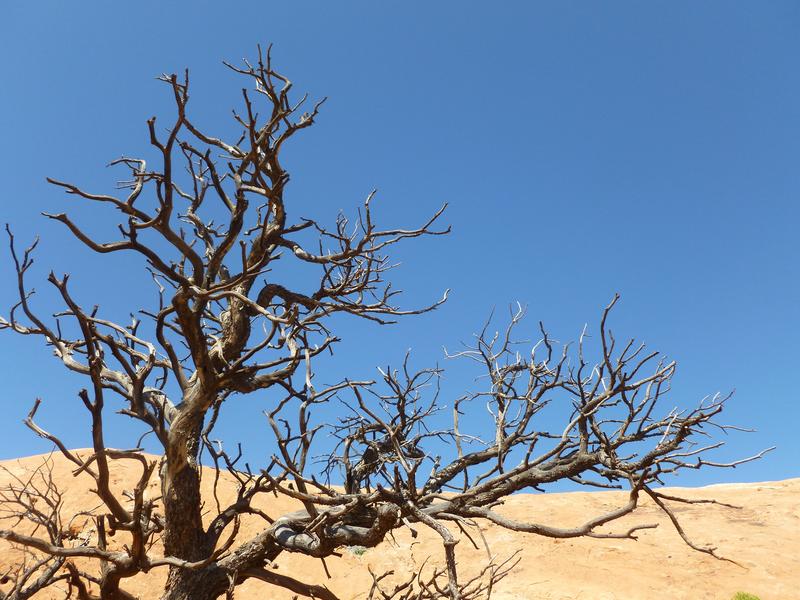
<point x="200" y="584"/>
<point x="184" y="534"/>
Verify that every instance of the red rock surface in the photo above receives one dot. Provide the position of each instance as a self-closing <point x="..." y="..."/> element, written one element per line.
<point x="763" y="537"/>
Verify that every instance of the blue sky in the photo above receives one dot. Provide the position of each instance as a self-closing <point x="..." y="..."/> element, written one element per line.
<point x="584" y="148"/>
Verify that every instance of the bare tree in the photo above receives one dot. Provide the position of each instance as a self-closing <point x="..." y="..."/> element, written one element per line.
<point x="209" y="221"/>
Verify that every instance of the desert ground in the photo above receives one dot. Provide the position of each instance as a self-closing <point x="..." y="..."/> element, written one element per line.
<point x="763" y="537"/>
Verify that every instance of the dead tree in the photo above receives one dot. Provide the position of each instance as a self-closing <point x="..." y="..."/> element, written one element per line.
<point x="209" y="220"/>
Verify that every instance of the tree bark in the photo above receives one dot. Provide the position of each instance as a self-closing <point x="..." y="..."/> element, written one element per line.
<point x="202" y="584"/>
<point x="184" y="535"/>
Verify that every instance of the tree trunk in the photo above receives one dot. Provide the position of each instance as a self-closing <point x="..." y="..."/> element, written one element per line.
<point x="204" y="584"/>
<point x="184" y="534"/>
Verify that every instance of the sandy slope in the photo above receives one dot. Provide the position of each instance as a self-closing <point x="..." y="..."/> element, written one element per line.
<point x="764" y="537"/>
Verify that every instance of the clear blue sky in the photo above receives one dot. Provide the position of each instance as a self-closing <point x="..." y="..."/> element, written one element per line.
<point x="584" y="147"/>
